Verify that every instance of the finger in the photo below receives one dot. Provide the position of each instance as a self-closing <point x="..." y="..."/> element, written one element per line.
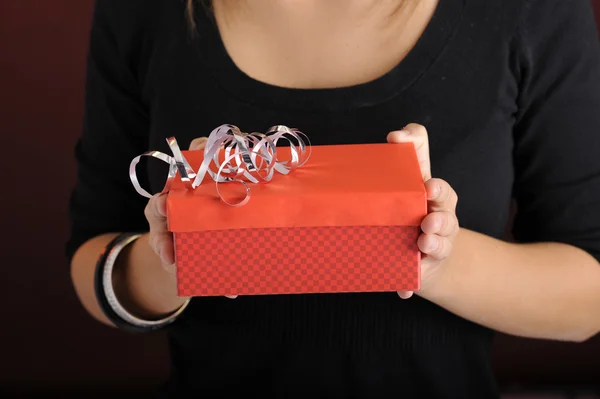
<point x="405" y="294"/>
<point x="416" y="134"/>
<point x="231" y="296"/>
<point x="166" y="251"/>
<point x="160" y="239"/>
<point x="441" y="196"/>
<point x="434" y="246"/>
<point x="198" y="143"/>
<point x="156" y="213"/>
<point x="162" y="245"/>
<point x="442" y="223"/>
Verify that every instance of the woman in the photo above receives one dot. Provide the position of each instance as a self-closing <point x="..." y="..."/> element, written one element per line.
<point x="501" y="99"/>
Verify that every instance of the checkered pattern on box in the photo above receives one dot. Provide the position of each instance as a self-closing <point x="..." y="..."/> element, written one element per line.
<point x="298" y="260"/>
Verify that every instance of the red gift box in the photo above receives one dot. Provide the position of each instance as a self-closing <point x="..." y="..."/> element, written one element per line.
<point x="346" y="221"/>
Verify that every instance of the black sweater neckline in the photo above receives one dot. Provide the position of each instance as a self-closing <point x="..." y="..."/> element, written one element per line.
<point x="435" y="37"/>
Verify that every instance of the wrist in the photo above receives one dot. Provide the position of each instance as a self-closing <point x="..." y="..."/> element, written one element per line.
<point x="144" y="286"/>
<point x="433" y="283"/>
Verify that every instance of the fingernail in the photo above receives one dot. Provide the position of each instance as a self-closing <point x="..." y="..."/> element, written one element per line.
<point x="161" y="207"/>
<point x="404" y="133"/>
<point x="435" y="243"/>
<point x="437" y="225"/>
<point x="430" y="243"/>
<point x="163" y="258"/>
<point x="436" y="192"/>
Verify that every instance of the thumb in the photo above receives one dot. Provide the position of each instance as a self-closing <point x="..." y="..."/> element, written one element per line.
<point x="405" y="294"/>
<point x="416" y="134"/>
<point x="198" y="143"/>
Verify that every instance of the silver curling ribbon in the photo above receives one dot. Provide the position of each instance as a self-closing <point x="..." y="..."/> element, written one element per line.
<point x="231" y="156"/>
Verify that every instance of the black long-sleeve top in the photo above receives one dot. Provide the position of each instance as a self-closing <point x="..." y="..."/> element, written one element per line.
<point x="509" y="91"/>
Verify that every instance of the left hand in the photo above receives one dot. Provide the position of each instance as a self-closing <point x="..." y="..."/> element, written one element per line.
<point x="440" y="226"/>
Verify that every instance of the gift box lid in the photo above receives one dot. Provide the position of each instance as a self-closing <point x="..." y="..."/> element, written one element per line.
<point x="340" y="185"/>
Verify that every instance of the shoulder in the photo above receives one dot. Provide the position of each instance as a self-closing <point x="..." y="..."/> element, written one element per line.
<point x="127" y="32"/>
<point x="546" y="19"/>
<point x="531" y="18"/>
<point x="559" y="8"/>
<point x="558" y="36"/>
<point x="119" y="14"/>
<point x="134" y="11"/>
<point x="130" y="22"/>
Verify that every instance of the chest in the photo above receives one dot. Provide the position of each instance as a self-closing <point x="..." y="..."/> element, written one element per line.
<point x="344" y="46"/>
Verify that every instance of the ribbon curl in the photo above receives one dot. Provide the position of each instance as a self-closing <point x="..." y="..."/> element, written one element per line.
<point x="236" y="156"/>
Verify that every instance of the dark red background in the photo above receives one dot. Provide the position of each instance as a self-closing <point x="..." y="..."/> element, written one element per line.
<point x="47" y="340"/>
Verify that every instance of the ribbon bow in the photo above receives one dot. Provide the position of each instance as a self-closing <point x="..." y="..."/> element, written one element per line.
<point x="247" y="157"/>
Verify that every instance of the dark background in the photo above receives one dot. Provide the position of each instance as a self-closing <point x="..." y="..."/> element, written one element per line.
<point x="48" y="343"/>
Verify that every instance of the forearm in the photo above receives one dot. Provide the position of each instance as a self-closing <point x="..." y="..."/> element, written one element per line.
<point x="141" y="283"/>
<point x="545" y="290"/>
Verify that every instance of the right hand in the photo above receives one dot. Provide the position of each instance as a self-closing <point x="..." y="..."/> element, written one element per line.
<point x="160" y="238"/>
